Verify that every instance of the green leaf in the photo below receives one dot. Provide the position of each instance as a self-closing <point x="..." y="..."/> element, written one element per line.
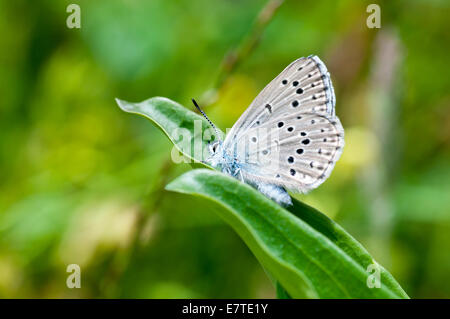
<point x="344" y="241"/>
<point x="308" y="254"/>
<point x="311" y="258"/>
<point x="281" y="293"/>
<point x="184" y="128"/>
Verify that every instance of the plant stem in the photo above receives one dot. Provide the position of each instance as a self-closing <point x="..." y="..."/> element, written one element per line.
<point x="234" y="57"/>
<point x="383" y="121"/>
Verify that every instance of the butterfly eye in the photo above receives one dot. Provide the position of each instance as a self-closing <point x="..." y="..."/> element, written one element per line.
<point x="213" y="147"/>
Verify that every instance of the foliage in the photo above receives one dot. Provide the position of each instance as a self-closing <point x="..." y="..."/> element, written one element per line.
<point x="83" y="183"/>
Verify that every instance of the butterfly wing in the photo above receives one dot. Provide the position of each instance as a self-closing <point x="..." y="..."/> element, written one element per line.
<point x="289" y="136"/>
<point x="298" y="155"/>
<point x="304" y="85"/>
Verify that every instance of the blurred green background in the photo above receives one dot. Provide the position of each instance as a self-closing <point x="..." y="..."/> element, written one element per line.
<point x="83" y="183"/>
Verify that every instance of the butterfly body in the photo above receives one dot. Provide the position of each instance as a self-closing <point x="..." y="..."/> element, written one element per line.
<point x="222" y="160"/>
<point x="289" y="137"/>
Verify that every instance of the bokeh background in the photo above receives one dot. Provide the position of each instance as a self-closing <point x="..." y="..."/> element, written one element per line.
<point x="82" y="183"/>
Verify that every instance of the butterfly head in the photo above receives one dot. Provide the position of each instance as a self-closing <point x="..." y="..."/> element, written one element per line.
<point x="221" y="160"/>
<point x="218" y="157"/>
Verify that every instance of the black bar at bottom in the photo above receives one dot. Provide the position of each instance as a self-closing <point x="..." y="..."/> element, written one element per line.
<point x="215" y="308"/>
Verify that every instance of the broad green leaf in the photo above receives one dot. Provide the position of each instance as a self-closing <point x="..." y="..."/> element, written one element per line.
<point x="344" y="241"/>
<point x="306" y="253"/>
<point x="321" y="261"/>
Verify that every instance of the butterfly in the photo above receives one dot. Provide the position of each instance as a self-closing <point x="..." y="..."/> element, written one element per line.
<point x="289" y="138"/>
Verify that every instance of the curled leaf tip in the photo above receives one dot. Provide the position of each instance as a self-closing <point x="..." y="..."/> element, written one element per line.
<point x="124" y="105"/>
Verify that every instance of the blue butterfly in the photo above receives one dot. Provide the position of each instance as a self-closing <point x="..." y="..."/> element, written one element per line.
<point x="288" y="138"/>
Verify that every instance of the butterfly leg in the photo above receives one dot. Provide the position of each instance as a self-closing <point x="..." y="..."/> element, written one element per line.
<point x="241" y="177"/>
<point x="237" y="173"/>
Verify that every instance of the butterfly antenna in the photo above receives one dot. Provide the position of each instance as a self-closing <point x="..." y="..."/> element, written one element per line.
<point x="206" y="117"/>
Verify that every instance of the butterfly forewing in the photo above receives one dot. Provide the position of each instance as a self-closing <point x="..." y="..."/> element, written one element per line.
<point x="304" y="85"/>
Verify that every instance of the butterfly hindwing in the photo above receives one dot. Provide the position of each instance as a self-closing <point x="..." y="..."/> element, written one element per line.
<point x="299" y="154"/>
